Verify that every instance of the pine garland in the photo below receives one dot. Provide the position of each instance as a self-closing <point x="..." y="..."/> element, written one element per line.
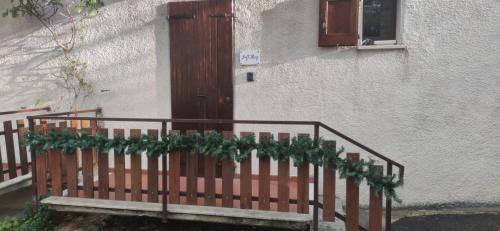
<point x="300" y="149"/>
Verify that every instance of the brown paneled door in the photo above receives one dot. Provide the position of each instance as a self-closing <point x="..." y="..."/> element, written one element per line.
<point x="201" y="56"/>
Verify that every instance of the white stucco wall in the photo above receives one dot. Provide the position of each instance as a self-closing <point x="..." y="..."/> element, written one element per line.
<point x="435" y="106"/>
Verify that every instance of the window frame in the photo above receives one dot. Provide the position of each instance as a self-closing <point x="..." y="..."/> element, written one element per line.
<point x="383" y="43"/>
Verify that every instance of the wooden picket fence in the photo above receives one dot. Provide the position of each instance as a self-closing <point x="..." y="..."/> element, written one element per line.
<point x="58" y="175"/>
<point x="17" y="162"/>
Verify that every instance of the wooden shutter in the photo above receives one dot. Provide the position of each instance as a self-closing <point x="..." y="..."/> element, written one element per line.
<point x="338" y="24"/>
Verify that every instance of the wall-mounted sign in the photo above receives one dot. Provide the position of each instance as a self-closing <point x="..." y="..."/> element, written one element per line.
<point x="249" y="58"/>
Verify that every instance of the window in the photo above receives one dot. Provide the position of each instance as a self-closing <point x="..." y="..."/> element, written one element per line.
<point x="379" y="22"/>
<point x="358" y="22"/>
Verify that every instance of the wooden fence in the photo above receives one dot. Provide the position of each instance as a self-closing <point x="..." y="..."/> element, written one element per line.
<point x="17" y="162"/>
<point x="127" y="179"/>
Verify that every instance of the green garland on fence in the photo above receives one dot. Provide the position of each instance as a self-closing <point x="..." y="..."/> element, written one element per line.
<point x="298" y="149"/>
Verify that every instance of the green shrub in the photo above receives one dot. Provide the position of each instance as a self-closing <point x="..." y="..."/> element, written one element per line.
<point x="39" y="221"/>
<point x="9" y="224"/>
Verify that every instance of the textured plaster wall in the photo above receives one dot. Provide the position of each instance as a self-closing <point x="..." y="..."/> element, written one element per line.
<point x="435" y="106"/>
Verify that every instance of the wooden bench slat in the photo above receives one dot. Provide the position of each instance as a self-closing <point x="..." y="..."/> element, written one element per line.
<point x="182" y="212"/>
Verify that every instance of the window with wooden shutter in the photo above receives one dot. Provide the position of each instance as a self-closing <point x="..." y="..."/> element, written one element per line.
<point x="338" y="25"/>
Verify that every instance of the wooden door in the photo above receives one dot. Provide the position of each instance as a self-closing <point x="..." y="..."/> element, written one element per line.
<point x="201" y="54"/>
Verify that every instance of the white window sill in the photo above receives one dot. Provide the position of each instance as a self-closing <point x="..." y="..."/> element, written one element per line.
<point x="382" y="47"/>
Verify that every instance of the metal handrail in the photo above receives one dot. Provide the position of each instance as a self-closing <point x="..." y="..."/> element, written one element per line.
<point x="48" y="109"/>
<point x="317" y="125"/>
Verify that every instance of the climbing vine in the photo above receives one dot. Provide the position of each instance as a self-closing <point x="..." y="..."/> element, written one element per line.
<point x="300" y="150"/>
<point x="65" y="21"/>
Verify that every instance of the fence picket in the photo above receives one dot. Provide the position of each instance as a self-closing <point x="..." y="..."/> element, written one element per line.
<point x="227" y="177"/>
<point x="192" y="175"/>
<point x="23" y="153"/>
<point x="352" y="199"/>
<point x="55" y="165"/>
<point x="136" y="170"/>
<point x="153" y="172"/>
<point x="119" y="168"/>
<point x="303" y="186"/>
<point x="71" y="162"/>
<point x="174" y="175"/>
<point x="329" y="188"/>
<point x="9" y="147"/>
<point x="264" y="178"/>
<point x="41" y="165"/>
<point x="87" y="170"/>
<point x="284" y="179"/>
<point x="210" y="166"/>
<point x="376" y="200"/>
<point x="103" y="169"/>
<point x="246" y="180"/>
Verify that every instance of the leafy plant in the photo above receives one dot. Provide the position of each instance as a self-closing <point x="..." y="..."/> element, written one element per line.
<point x="9" y="224"/>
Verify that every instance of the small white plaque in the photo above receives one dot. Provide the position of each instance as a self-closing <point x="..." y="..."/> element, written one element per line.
<point x="249" y="58"/>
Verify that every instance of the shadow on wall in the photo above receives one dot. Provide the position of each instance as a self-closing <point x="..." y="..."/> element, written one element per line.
<point x="162" y="61"/>
<point x="28" y="58"/>
<point x="290" y="31"/>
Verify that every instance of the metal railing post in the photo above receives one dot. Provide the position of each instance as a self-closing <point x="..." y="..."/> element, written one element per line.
<point x="34" y="183"/>
<point x="388" y="204"/>
<point x="316" y="182"/>
<point x="164" y="178"/>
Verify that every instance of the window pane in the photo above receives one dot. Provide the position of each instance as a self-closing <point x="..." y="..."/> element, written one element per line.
<point x="379" y="20"/>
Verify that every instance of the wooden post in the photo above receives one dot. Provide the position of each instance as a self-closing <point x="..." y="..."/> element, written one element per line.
<point x="376" y="200"/>
<point x="119" y="168"/>
<point x="9" y="146"/>
<point x="284" y="179"/>
<point x="329" y="187"/>
<point x="352" y="199"/>
<point x="227" y="177"/>
<point x="246" y="180"/>
<point x="153" y="172"/>
<point x="264" y="178"/>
